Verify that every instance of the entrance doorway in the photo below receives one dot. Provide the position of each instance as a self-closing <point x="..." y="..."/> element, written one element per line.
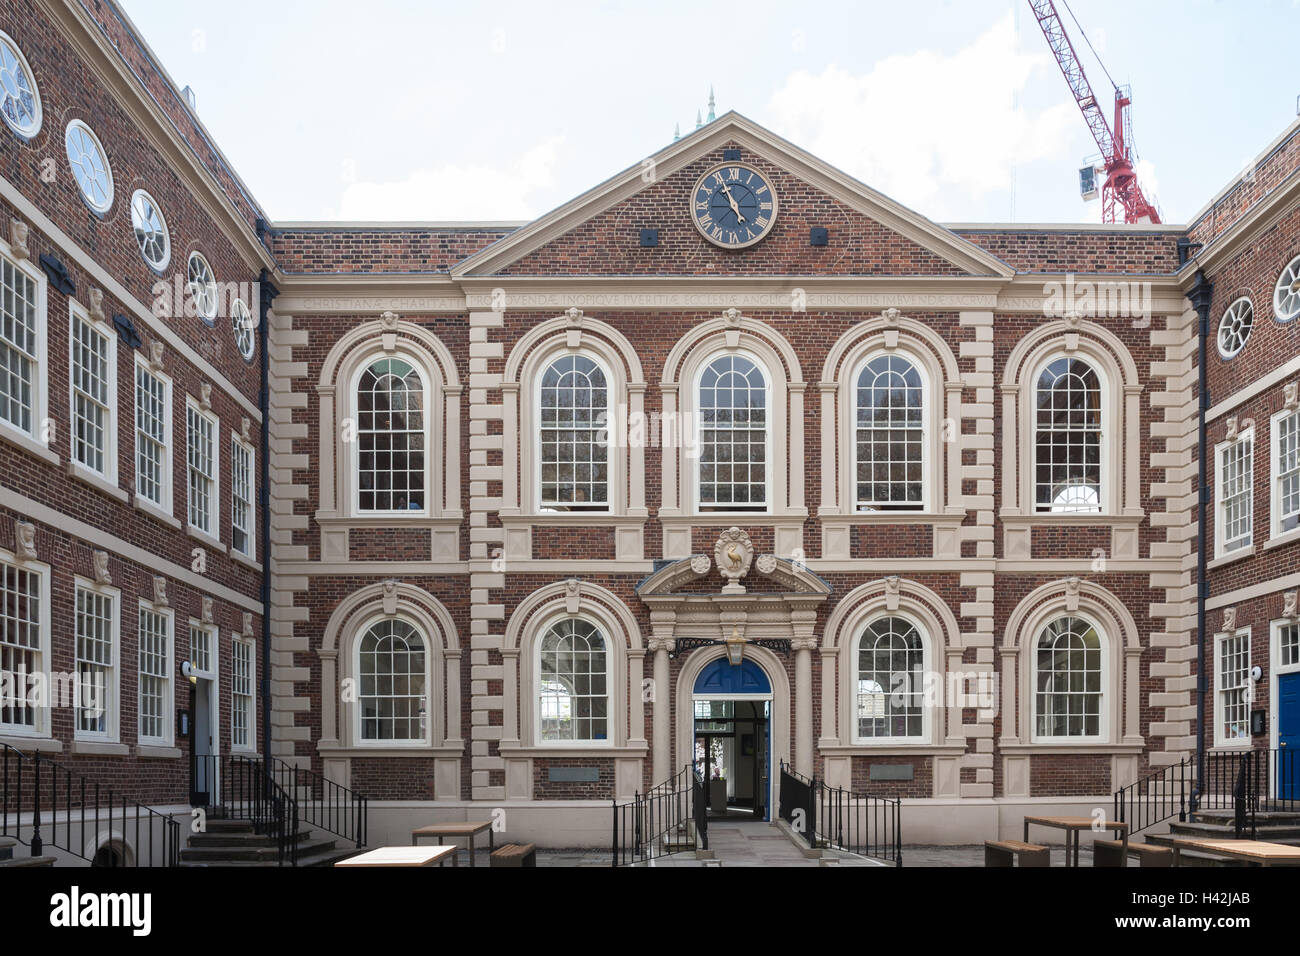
<point x="203" y="747"/>
<point x="1288" y="736"/>
<point x="732" y="738"/>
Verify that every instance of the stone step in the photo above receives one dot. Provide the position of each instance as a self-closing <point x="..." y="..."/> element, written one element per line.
<point x="315" y="858"/>
<point x="28" y="861"/>
<point x="240" y="838"/>
<point x="265" y="851"/>
<point x="7" y="848"/>
<point x="1272" y="833"/>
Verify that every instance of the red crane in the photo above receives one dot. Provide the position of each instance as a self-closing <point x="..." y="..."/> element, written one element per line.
<point x="1121" y="187"/>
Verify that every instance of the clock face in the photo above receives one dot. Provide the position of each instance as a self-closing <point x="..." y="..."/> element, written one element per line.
<point x="733" y="205"/>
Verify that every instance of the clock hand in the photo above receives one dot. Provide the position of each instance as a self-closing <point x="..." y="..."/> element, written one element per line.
<point x="734" y="208"/>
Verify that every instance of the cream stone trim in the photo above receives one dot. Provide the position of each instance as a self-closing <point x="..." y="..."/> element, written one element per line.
<point x="728" y="128"/>
<point x="390" y="599"/>
<point x="1121" y="651"/>
<point x="562" y="600"/>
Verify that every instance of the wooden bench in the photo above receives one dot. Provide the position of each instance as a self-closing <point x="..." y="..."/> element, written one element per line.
<point x="1111" y="853"/>
<point x="514" y="854"/>
<point x="1006" y="852"/>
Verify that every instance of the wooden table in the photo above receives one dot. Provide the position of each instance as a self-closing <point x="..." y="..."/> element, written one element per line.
<point x="1252" y="851"/>
<point x="403" y="856"/>
<point x="1073" y="826"/>
<point x="469" y="828"/>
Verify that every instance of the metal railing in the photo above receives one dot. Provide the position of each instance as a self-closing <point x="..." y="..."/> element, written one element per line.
<point x="657" y="823"/>
<point x="860" y="823"/>
<point x="45" y="804"/>
<point x="322" y="803"/>
<point x="1156" y="797"/>
<point x="238" y="787"/>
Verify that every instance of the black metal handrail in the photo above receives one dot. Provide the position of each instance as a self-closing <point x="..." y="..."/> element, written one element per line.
<point x="32" y="787"/>
<point x="656" y="823"/>
<point x="239" y="787"/>
<point x="322" y="803"/>
<point x="1156" y="797"/>
<point x="864" y="824"/>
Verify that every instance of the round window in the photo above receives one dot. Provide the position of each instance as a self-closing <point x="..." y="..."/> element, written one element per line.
<point x="1235" y="326"/>
<point x="1286" y="294"/>
<point x="89" y="166"/>
<point x="203" y="287"/>
<point x="244" y="326"/>
<point x="150" y="231"/>
<point x="20" y="101"/>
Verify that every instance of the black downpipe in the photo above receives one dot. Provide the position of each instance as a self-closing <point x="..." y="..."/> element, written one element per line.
<point x="1199" y="296"/>
<point x="267" y="294"/>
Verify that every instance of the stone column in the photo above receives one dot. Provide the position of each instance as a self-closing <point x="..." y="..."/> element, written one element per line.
<point x="803" y="722"/>
<point x="661" y="713"/>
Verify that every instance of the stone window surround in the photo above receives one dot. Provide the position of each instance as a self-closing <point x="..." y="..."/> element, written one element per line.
<point x="731" y="334"/>
<point x="531" y="619"/>
<point x="339" y="743"/>
<point x="568" y="334"/>
<point x="1121" y="500"/>
<point x="335" y="388"/>
<point x="890" y="334"/>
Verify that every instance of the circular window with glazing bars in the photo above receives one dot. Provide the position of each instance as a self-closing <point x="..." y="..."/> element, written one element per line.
<point x="150" y="231"/>
<point x="244" y="326"/>
<point x="90" y="166"/>
<point x="203" y="287"/>
<point x="1234" y="328"/>
<point x="1286" y="294"/>
<point x="20" y="100"/>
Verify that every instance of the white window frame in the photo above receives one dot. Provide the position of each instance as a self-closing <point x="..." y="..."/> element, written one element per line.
<point x="1104" y="491"/>
<point x="1276" y="477"/>
<point x="38" y="113"/>
<point x="1245" y="438"/>
<point x="1107" y="682"/>
<point x="212" y="533"/>
<point x="76" y="314"/>
<point x="111" y="732"/>
<point x="429" y="689"/>
<point x="927" y="503"/>
<point x="611" y="450"/>
<point x="236" y="643"/>
<point x="927" y="667"/>
<point x="100" y="209"/>
<point x="237" y="447"/>
<point x="165" y="481"/>
<point x="353" y="448"/>
<point x="38" y="437"/>
<point x="214" y="650"/>
<point x="1248" y="689"/>
<point x="611" y="699"/>
<point x="697" y="430"/>
<point x="41" y="729"/>
<point x="141" y="195"/>
<point x="168" y="737"/>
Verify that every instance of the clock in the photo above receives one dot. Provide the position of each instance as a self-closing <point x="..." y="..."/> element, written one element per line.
<point x="733" y="205"/>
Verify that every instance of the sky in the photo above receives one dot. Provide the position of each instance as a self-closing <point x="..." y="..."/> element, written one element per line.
<point x="411" y="110"/>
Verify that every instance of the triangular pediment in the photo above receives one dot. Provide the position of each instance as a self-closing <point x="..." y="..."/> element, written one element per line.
<point x="598" y="233"/>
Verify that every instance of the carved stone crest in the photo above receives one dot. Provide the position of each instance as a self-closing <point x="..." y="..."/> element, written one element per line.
<point x="572" y="595"/>
<point x="765" y="563"/>
<point x="160" y="591"/>
<point x="156" y="349"/>
<point x="245" y="428"/>
<point x="1072" y="594"/>
<point x="700" y="564"/>
<point x="731" y="316"/>
<point x="1231" y="433"/>
<point x="101" y="568"/>
<point x="733" y="554"/>
<point x="1291" y="394"/>
<point x="96" y="297"/>
<point x="891" y="316"/>
<point x="25" y="540"/>
<point x="18" y="239"/>
<point x="891" y="592"/>
<point x="248" y="624"/>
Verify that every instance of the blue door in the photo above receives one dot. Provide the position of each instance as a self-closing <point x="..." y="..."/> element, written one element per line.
<point x="1288" y="736"/>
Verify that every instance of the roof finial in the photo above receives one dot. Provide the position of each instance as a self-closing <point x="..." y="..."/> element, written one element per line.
<point x="677" y="132"/>
<point x="712" y="116"/>
<point x="698" y="122"/>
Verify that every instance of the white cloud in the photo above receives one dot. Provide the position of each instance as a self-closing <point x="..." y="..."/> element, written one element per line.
<point x="919" y="125"/>
<point x="457" y="191"/>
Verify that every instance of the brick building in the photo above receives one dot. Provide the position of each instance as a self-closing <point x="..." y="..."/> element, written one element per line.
<point x="530" y="485"/>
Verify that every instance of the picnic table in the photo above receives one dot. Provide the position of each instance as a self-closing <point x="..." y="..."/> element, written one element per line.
<point x="1073" y="826"/>
<point x="469" y="829"/>
<point x="1252" y="851"/>
<point x="403" y="856"/>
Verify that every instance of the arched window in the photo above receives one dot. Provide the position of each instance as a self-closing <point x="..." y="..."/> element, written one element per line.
<point x="733" y="436"/>
<point x="889" y="435"/>
<point x="390" y="437"/>
<point x="890" y="673"/>
<point x="1068" y="680"/>
<point x="391" y="698"/>
<point x="1067" y="437"/>
<point x="572" y="691"/>
<point x="573" y="421"/>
